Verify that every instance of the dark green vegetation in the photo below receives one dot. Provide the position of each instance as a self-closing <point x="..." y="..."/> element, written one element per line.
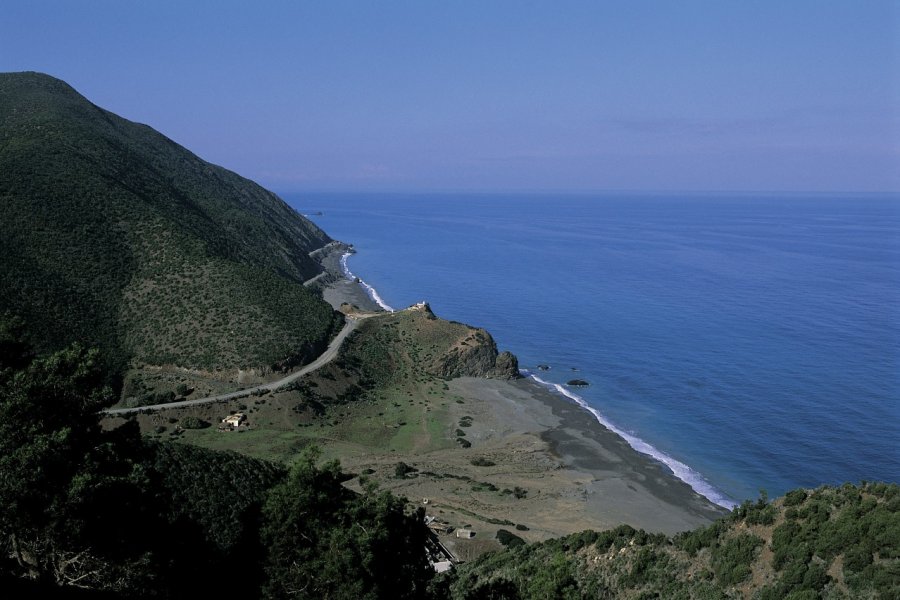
<point x="828" y="543"/>
<point x="113" y="235"/>
<point x="331" y="543"/>
<point x="108" y="511"/>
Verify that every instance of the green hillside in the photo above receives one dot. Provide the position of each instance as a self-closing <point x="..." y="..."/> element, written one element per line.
<point x="826" y="543"/>
<point x="115" y="236"/>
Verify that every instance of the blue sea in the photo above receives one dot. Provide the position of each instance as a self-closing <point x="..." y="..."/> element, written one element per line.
<point x="749" y="342"/>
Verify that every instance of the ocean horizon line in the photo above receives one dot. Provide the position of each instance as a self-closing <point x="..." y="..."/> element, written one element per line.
<point x="283" y="191"/>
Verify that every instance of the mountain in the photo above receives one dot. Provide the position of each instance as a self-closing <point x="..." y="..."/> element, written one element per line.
<point x="116" y="236"/>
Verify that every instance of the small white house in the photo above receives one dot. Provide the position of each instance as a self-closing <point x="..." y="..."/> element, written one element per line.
<point x="234" y="420"/>
<point x="441" y="566"/>
<point x="465" y="533"/>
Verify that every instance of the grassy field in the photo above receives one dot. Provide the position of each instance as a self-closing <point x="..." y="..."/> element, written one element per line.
<point x="380" y="397"/>
<point x="404" y="419"/>
<point x="383" y="402"/>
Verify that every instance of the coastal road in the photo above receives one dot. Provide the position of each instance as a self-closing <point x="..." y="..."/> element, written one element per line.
<point x="312" y="280"/>
<point x="330" y="353"/>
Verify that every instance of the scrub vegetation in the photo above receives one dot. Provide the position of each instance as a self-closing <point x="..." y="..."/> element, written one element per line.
<point x="122" y="250"/>
<point x="831" y="542"/>
<point x="113" y="235"/>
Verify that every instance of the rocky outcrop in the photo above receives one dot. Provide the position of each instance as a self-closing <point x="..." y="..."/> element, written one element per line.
<point x="476" y="356"/>
<point x="506" y="366"/>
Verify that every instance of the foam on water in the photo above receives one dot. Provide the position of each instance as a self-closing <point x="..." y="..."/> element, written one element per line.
<point x="371" y="291"/>
<point x="678" y="468"/>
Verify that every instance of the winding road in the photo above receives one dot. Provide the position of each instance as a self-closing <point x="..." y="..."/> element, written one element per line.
<point x="330" y="353"/>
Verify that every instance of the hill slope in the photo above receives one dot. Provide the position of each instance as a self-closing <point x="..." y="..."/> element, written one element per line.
<point x="826" y="543"/>
<point x="114" y="235"/>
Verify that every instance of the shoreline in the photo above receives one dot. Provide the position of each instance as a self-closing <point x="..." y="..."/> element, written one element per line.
<point x="678" y="469"/>
<point x="339" y="286"/>
<point x="592" y="473"/>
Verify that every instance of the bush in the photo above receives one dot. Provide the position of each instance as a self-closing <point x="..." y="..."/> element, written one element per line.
<point x="509" y="539"/>
<point x="794" y="497"/>
<point x="480" y="461"/>
<point x="194" y="423"/>
<point x="401" y="470"/>
<point x="731" y="561"/>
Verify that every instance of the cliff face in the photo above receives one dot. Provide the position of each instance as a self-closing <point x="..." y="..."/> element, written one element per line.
<point x="476" y="356"/>
<point x="469" y="352"/>
<point x="414" y="340"/>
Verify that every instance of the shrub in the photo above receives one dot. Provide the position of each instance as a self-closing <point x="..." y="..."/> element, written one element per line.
<point x="509" y="539"/>
<point x="193" y="423"/>
<point x="731" y="561"/>
<point x="401" y="470"/>
<point x="794" y="497"/>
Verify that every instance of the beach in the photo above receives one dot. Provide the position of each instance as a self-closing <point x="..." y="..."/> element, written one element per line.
<point x="575" y="473"/>
<point x="337" y="287"/>
<point x="475" y="453"/>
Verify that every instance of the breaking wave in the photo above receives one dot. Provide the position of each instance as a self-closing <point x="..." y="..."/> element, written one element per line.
<point x="371" y="291"/>
<point x="683" y="472"/>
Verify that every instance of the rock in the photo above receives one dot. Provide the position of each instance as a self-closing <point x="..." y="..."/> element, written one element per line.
<point x="577" y="383"/>
<point x="543" y="367"/>
<point x="478" y="357"/>
<point x="506" y="366"/>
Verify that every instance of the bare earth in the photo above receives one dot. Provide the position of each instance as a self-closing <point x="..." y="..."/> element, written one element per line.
<point x="576" y="473"/>
<point x="539" y="465"/>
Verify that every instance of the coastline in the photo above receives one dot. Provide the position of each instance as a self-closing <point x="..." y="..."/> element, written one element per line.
<point x="580" y="474"/>
<point x="339" y="287"/>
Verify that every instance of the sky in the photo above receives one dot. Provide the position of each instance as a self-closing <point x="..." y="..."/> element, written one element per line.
<point x="494" y="96"/>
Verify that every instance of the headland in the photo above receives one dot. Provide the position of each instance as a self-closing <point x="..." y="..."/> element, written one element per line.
<point x="429" y="409"/>
<point x="579" y="474"/>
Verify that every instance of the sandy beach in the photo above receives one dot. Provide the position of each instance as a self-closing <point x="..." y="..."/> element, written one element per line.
<point x="577" y="474"/>
<point x="338" y="289"/>
<point x="480" y="454"/>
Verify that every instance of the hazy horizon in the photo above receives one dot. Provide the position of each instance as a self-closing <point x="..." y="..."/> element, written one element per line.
<point x="573" y="97"/>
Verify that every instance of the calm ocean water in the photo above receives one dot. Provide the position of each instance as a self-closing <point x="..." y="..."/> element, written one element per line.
<point x="749" y="342"/>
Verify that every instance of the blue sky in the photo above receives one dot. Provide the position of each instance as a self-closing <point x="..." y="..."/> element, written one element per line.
<point x="578" y="96"/>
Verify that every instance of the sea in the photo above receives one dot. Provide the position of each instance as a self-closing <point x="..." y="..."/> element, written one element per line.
<point x="750" y="342"/>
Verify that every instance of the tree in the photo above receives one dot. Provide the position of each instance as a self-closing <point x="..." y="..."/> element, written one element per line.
<point x="75" y="505"/>
<point x="325" y="541"/>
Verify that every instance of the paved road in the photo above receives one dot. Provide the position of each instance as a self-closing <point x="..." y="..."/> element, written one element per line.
<point x="324" y="358"/>
<point x="312" y="280"/>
